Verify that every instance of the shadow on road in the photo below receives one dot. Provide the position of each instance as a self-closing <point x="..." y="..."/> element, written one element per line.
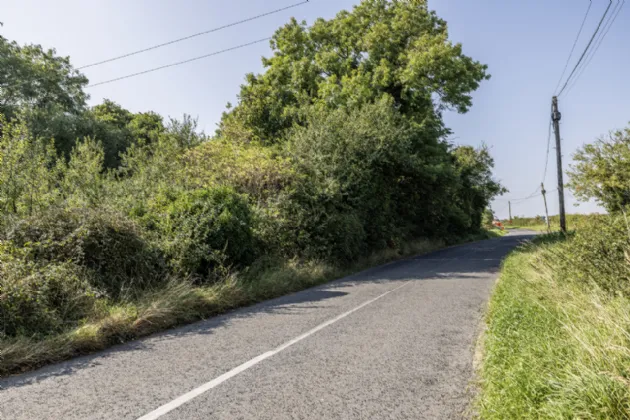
<point x="465" y="262"/>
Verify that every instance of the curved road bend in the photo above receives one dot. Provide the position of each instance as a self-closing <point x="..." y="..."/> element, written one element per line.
<point x="393" y="342"/>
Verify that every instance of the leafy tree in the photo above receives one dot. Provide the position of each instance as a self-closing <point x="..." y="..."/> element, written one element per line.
<point x="112" y="113"/>
<point x="602" y="171"/>
<point x="144" y="126"/>
<point x="478" y="187"/>
<point x="374" y="162"/>
<point x="487" y="218"/>
<point x="396" y="49"/>
<point x="68" y="129"/>
<point x="84" y="182"/>
<point x="28" y="175"/>
<point x="186" y="131"/>
<point x="33" y="78"/>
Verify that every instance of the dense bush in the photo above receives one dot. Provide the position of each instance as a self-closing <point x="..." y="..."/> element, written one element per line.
<point x="107" y="244"/>
<point x="250" y="168"/>
<point x="202" y="230"/>
<point x="598" y="254"/>
<point x="377" y="164"/>
<point x="43" y="298"/>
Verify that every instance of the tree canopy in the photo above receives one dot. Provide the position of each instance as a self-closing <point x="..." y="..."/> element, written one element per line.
<point x="396" y="49"/>
<point x="34" y="78"/>
<point x="602" y="171"/>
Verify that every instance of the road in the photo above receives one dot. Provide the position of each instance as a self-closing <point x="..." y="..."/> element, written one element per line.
<point x="393" y="342"/>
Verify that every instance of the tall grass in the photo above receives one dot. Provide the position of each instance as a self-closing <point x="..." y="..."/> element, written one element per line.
<point x="538" y="223"/>
<point x="178" y="302"/>
<point x="558" y="339"/>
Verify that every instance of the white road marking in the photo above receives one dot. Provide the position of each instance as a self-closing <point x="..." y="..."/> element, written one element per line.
<point x="179" y="401"/>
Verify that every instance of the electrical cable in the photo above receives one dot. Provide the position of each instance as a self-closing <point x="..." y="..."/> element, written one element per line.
<point x="548" y="150"/>
<point x="178" y="63"/>
<point x="532" y="195"/>
<point x="609" y="24"/>
<point x="566" y="65"/>
<point x="229" y="25"/>
<point x="586" y="49"/>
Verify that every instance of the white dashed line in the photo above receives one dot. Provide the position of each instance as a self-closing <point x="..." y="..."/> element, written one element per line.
<point x="178" y="402"/>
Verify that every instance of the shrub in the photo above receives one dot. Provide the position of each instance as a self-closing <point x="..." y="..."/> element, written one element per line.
<point x="28" y="175"/>
<point x="42" y="299"/>
<point x="203" y="230"/>
<point x="107" y="244"/>
<point x="258" y="171"/>
<point x="392" y="174"/>
<point x="598" y="254"/>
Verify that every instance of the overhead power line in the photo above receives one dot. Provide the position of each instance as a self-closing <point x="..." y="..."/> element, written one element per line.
<point x="529" y="197"/>
<point x="607" y="26"/>
<point x="548" y="149"/>
<point x="590" y="4"/>
<point x="179" y="63"/>
<point x="535" y="195"/>
<point x="590" y="42"/>
<point x="532" y="195"/>
<point x="229" y="25"/>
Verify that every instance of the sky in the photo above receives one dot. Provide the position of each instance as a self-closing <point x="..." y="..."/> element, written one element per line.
<point x="524" y="43"/>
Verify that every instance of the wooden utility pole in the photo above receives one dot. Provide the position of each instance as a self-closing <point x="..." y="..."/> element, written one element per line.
<point x="542" y="188"/>
<point x="510" y="206"/>
<point x="556" y="116"/>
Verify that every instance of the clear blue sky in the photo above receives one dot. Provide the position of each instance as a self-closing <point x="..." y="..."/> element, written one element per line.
<point x="525" y="44"/>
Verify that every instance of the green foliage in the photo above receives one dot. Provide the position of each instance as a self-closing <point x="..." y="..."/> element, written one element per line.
<point x="205" y="230"/>
<point x="27" y="171"/>
<point x="83" y="182"/>
<point x="478" y="186"/>
<point x="487" y="218"/>
<point x="598" y="255"/>
<point x="33" y="78"/>
<point x="528" y="221"/>
<point x="373" y="163"/>
<point x="113" y="249"/>
<point x="260" y="172"/>
<point x="602" y="171"/>
<point x="42" y="299"/>
<point x="145" y="126"/>
<point x="185" y="132"/>
<point x="539" y="223"/>
<point x="557" y="341"/>
<point x="397" y="50"/>
<point x="333" y="157"/>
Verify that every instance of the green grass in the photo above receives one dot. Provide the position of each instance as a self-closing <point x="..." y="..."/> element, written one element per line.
<point x="553" y="348"/>
<point x="179" y="303"/>
<point x="497" y="233"/>
<point x="537" y="228"/>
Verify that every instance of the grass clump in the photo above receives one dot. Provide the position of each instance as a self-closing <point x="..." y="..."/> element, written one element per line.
<point x="558" y="338"/>
<point x="102" y="322"/>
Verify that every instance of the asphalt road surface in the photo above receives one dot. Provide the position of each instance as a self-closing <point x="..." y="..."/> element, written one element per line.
<point x="394" y="342"/>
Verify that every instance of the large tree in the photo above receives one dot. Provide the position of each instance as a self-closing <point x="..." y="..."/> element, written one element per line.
<point x="393" y="48"/>
<point x="477" y="184"/>
<point x="601" y="171"/>
<point x="36" y="79"/>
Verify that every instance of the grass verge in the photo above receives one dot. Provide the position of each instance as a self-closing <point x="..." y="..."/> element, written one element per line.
<point x="183" y="302"/>
<point x="537" y="228"/>
<point x="553" y="348"/>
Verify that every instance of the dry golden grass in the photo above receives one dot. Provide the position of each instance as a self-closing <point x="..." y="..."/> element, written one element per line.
<point x="180" y="302"/>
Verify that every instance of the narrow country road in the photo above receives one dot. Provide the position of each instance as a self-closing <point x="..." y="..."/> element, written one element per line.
<point x="394" y="342"/>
